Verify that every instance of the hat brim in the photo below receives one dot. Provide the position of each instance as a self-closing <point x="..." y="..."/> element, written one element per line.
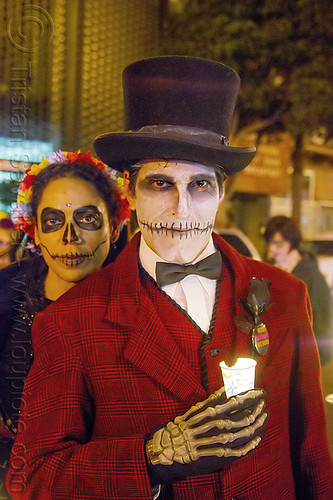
<point x="121" y="150"/>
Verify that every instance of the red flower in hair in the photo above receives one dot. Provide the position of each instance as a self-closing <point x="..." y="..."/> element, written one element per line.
<point x="124" y="207"/>
<point x="23" y="218"/>
<point x="85" y="158"/>
<point x="25" y="226"/>
<point x="27" y="181"/>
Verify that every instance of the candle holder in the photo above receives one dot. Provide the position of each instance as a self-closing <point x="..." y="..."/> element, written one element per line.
<point x="239" y="377"/>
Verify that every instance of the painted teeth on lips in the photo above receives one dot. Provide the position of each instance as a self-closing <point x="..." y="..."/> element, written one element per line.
<point x="73" y="255"/>
<point x="180" y="227"/>
<point x="73" y="260"/>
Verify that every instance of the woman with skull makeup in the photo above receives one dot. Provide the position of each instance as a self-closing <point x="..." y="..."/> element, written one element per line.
<point x="73" y="210"/>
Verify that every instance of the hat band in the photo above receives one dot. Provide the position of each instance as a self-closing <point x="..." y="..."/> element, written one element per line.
<point x="177" y="132"/>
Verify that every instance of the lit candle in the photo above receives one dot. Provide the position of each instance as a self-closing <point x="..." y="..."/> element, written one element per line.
<point x="239" y="377"/>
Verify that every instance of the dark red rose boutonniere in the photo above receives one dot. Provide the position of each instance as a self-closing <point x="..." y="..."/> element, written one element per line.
<point x="256" y="303"/>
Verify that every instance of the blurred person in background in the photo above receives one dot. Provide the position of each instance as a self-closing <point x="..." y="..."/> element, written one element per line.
<point x="8" y="241"/>
<point x="284" y="244"/>
<point x="71" y="207"/>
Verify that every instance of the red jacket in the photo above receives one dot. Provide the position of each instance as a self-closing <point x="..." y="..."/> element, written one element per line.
<point x="113" y="360"/>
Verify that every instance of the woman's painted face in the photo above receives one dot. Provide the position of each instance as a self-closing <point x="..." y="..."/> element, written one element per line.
<point x="279" y="249"/>
<point x="176" y="204"/>
<point x="72" y="229"/>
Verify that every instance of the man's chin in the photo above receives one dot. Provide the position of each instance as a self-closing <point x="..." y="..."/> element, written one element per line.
<point x="180" y="252"/>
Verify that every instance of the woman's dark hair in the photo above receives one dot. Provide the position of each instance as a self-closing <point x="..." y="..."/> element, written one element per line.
<point x="105" y="187"/>
<point x="286" y="227"/>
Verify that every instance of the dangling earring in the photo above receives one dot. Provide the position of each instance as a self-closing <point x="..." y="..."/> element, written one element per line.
<point x="115" y="235"/>
<point x="29" y="245"/>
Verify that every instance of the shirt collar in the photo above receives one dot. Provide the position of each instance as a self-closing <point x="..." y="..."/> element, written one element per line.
<point x="148" y="257"/>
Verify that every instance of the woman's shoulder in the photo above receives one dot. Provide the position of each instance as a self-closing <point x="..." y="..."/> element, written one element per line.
<point x="307" y="268"/>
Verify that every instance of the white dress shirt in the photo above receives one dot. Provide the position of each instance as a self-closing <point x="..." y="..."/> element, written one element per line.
<point x="195" y="294"/>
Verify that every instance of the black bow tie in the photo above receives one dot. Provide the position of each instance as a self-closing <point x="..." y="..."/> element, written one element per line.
<point x="210" y="267"/>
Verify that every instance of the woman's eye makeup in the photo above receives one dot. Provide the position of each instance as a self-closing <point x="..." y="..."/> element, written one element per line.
<point x="87" y="217"/>
<point x="52" y="220"/>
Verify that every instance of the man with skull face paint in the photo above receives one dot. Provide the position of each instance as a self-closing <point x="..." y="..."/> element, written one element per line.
<point x="139" y="410"/>
<point x="70" y="205"/>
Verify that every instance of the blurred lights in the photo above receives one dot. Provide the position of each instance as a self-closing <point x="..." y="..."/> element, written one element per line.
<point x="26" y="151"/>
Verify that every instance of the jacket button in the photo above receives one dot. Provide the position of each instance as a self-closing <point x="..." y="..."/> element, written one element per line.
<point x="214" y="352"/>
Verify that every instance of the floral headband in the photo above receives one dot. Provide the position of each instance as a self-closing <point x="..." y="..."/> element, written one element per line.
<point x="22" y="213"/>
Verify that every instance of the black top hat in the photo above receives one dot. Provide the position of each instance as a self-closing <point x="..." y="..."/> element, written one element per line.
<point x="176" y="108"/>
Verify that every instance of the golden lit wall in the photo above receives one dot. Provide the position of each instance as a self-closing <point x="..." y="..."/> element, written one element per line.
<point x="69" y="56"/>
<point x="91" y="47"/>
<point x="25" y="68"/>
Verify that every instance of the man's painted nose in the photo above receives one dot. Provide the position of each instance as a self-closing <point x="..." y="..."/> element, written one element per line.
<point x="183" y="205"/>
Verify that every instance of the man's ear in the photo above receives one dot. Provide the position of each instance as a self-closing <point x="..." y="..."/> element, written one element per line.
<point x="221" y="198"/>
<point x="127" y="191"/>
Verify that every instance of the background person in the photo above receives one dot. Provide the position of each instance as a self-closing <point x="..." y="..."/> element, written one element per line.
<point x="284" y="240"/>
<point x="72" y="209"/>
<point x="8" y="242"/>
<point x="126" y="360"/>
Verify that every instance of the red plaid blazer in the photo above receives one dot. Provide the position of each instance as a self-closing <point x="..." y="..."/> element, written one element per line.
<point x="107" y="370"/>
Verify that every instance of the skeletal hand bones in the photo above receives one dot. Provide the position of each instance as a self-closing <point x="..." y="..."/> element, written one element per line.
<point x="215" y="427"/>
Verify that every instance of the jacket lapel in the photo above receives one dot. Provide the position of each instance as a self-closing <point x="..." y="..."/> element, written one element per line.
<point x="150" y="347"/>
<point x="242" y="276"/>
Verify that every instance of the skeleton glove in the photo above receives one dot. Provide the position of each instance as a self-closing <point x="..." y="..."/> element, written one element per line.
<point x="209" y="436"/>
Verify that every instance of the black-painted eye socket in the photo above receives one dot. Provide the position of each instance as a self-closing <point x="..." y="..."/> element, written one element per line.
<point x="52" y="220"/>
<point x="88" y="218"/>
